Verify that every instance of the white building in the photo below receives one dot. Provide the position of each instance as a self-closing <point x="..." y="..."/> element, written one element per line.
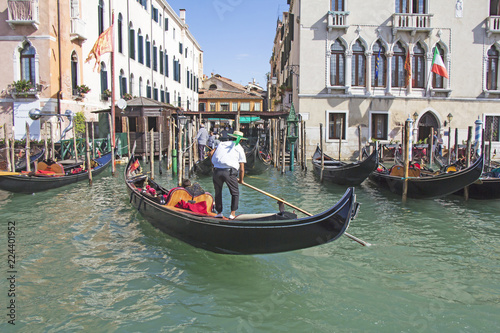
<point x="156" y="55"/>
<point x="327" y="51"/>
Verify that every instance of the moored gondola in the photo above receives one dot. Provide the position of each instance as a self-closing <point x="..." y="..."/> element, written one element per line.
<point x="33" y="182"/>
<point x="247" y="233"/>
<point x="343" y="173"/>
<point x="426" y="186"/>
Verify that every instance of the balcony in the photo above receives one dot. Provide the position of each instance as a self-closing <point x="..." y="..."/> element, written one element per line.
<point x="28" y="92"/>
<point x="337" y="20"/>
<point x="23" y="12"/>
<point x="77" y="29"/>
<point x="493" y="25"/>
<point x="411" y="22"/>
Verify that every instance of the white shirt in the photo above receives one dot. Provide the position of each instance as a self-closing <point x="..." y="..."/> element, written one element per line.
<point x="227" y="155"/>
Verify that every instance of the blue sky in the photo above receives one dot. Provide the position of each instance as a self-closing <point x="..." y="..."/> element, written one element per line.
<point x="236" y="36"/>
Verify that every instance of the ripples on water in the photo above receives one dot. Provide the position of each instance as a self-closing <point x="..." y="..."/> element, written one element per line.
<point x="88" y="261"/>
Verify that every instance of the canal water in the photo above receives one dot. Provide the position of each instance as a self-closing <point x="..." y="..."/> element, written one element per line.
<point x="86" y="261"/>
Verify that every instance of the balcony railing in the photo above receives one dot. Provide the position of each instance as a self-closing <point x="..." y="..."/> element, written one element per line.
<point x="77" y="29"/>
<point x="22" y="12"/>
<point x="337" y="20"/>
<point x="30" y="93"/>
<point x="493" y="25"/>
<point x="411" y="22"/>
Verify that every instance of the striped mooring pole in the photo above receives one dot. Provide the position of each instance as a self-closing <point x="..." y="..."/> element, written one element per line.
<point x="478" y="136"/>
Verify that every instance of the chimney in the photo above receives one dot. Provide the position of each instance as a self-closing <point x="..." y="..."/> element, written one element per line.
<point x="183" y="15"/>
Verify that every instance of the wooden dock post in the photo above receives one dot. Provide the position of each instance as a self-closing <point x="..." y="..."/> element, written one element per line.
<point x="180" y="155"/>
<point x="283" y="149"/>
<point x="360" y="156"/>
<point x="340" y="137"/>
<point x="13" y="151"/>
<point x="322" y="152"/>
<point x="87" y="150"/>
<point x="449" y="145"/>
<point x="303" y="142"/>
<point x="74" y="144"/>
<point x="7" y="149"/>
<point x="45" y="143"/>
<point x="52" y="142"/>
<point x="456" y="144"/>
<point x="93" y="140"/>
<point x="406" y="158"/>
<point x="152" y="152"/>
<point x="127" y="123"/>
<point x="431" y="147"/>
<point x="113" y="167"/>
<point x="160" y="149"/>
<point x="27" y="152"/>
<point x="467" y="159"/>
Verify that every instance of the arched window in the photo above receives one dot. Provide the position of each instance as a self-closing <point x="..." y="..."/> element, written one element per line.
<point x="131" y="41"/>
<point x="148" y="90"/>
<point x="418" y="66"/>
<point x="123" y="83"/>
<point x="140" y="47"/>
<point x="131" y="84"/>
<point x="438" y="80"/>
<point x="27" y="57"/>
<point x="120" y="33"/>
<point x="379" y="65"/>
<point x="104" y="78"/>
<point x="100" y="17"/>
<point x="337" y="64"/>
<point x="492" y="69"/>
<point x="161" y="60"/>
<point x="74" y="73"/>
<point x="398" y="66"/>
<point x="148" y="52"/>
<point x="155" y="56"/>
<point x="140" y="87"/>
<point x="358" y="64"/>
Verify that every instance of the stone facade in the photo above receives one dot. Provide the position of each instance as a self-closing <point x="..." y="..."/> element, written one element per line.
<point x="327" y="51"/>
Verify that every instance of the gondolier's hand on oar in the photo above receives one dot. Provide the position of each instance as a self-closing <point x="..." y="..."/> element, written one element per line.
<point x="360" y="241"/>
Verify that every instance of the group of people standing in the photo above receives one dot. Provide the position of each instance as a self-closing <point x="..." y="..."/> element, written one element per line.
<point x="211" y="139"/>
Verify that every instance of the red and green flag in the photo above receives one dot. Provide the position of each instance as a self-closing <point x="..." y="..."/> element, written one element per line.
<point x="438" y="64"/>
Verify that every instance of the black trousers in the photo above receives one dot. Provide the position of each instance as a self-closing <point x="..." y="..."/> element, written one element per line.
<point x="201" y="152"/>
<point x="230" y="177"/>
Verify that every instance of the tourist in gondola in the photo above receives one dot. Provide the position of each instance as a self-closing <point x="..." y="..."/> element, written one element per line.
<point x="211" y="140"/>
<point x="229" y="167"/>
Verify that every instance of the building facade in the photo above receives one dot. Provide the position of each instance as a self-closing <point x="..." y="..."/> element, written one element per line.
<point x="362" y="68"/>
<point x="46" y="42"/>
<point x="220" y="94"/>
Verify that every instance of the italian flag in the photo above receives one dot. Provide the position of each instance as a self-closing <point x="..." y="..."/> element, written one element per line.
<point x="438" y="64"/>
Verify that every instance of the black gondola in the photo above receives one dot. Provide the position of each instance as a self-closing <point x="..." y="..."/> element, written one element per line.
<point x="257" y="161"/>
<point x="342" y="173"/>
<point x="421" y="186"/>
<point x="31" y="183"/>
<point x="247" y="233"/>
<point x="21" y="164"/>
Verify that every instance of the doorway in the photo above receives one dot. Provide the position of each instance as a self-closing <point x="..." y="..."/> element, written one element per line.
<point x="426" y="122"/>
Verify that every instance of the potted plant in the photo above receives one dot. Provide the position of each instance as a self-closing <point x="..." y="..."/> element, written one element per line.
<point x="82" y="89"/>
<point x="127" y="96"/>
<point x="21" y="88"/>
<point x="107" y="93"/>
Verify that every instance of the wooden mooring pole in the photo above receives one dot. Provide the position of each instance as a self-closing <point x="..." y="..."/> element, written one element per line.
<point x="7" y="150"/>
<point x="152" y="152"/>
<point x="322" y="152"/>
<point x="27" y="152"/>
<point x="87" y="151"/>
<point x="406" y="158"/>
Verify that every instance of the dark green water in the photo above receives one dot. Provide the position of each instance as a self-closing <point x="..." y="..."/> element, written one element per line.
<point x="87" y="262"/>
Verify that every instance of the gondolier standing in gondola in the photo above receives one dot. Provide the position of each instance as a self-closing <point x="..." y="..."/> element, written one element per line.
<point x="229" y="167"/>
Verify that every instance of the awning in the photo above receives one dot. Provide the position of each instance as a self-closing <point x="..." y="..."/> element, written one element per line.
<point x="248" y="119"/>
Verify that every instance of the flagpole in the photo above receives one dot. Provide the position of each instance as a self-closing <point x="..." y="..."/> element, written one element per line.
<point x="112" y="125"/>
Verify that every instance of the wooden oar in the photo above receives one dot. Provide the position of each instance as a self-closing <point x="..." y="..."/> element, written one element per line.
<point x="362" y="242"/>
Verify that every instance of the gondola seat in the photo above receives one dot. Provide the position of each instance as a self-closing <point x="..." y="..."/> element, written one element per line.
<point x="178" y="194"/>
<point x="398" y="171"/>
<point x="55" y="169"/>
